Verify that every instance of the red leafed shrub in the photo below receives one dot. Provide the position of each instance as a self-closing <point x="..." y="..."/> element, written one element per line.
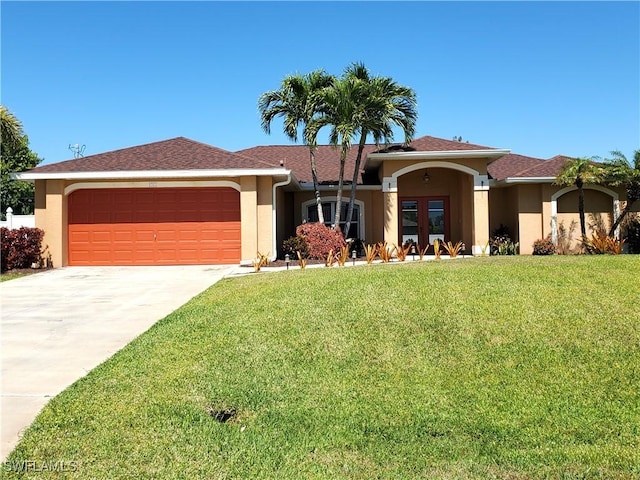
<point x="320" y="239"/>
<point x="21" y="248"/>
<point x="544" y="246"/>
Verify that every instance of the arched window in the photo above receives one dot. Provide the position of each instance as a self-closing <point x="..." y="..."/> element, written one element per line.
<point x="310" y="214"/>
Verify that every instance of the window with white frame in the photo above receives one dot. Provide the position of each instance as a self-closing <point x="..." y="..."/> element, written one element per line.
<point x="310" y="214"/>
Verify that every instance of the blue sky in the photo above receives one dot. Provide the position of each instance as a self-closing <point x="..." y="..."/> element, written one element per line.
<point x="540" y="78"/>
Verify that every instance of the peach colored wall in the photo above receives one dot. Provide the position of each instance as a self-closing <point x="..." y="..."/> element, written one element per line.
<point x="598" y="207"/>
<point x="51" y="216"/>
<point x="390" y="207"/>
<point x="502" y="211"/>
<point x="389" y="167"/>
<point x="248" y="218"/>
<point x="375" y="227"/>
<point x="264" y="217"/>
<point x="529" y="216"/>
<point x="466" y="218"/>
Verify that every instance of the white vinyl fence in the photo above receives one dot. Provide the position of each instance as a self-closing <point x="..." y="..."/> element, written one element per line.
<point x="17" y="221"/>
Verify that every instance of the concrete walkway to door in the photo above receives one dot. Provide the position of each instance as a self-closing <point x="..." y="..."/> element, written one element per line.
<point x="58" y="325"/>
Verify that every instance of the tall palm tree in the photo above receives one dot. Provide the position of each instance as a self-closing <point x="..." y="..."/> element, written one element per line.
<point x="357" y="106"/>
<point x="11" y="128"/>
<point x="297" y="103"/>
<point x="620" y="172"/>
<point x="581" y="172"/>
<point x="386" y="104"/>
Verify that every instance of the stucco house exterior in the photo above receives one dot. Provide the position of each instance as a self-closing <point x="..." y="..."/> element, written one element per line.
<point x="179" y="201"/>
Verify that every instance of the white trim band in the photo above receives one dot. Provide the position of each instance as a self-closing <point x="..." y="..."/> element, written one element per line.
<point x="237" y="172"/>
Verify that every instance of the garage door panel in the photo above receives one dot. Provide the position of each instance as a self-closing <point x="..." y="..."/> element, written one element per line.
<point x="154" y="226"/>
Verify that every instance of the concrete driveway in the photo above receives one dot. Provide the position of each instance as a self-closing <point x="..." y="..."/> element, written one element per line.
<point x="58" y="325"/>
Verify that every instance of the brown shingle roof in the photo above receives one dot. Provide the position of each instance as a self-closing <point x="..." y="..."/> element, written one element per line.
<point x="433" y="144"/>
<point x="175" y="154"/>
<point x="296" y="158"/>
<point x="548" y="168"/>
<point x="510" y="165"/>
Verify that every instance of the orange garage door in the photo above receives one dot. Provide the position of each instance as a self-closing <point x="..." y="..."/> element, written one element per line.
<point x="154" y="226"/>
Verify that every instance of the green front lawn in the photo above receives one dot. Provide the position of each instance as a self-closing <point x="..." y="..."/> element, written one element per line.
<point x="10" y="275"/>
<point x="507" y="367"/>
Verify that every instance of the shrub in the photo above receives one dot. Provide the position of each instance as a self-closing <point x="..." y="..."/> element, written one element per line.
<point x="501" y="243"/>
<point x="565" y="239"/>
<point x="260" y="261"/>
<point x="21" y="248"/>
<point x="293" y="245"/>
<point x="403" y="250"/>
<point x="320" y="239"/>
<point x="544" y="246"/>
<point x="370" y="251"/>
<point x="451" y="249"/>
<point x="386" y="251"/>
<point x="436" y="249"/>
<point x="600" y="243"/>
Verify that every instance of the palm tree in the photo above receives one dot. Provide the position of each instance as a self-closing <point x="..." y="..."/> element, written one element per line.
<point x="620" y="172"/>
<point x="386" y="104"/>
<point x="361" y="105"/>
<point x="580" y="172"/>
<point x="338" y="110"/>
<point x="297" y="102"/>
<point x="11" y="128"/>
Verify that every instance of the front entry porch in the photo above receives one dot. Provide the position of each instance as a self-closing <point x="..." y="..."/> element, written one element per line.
<point x="437" y="200"/>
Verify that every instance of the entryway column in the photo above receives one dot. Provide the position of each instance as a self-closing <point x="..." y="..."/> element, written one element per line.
<point x="248" y="218"/>
<point x="480" y="214"/>
<point x="390" y="195"/>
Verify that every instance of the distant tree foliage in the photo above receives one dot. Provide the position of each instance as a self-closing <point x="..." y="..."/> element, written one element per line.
<point x="621" y="172"/>
<point x="581" y="172"/>
<point x="15" y="156"/>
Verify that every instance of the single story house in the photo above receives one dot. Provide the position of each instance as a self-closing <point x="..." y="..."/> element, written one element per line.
<point x="180" y="201"/>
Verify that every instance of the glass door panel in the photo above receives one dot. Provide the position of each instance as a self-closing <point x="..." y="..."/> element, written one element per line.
<point x="410" y="221"/>
<point x="436" y="220"/>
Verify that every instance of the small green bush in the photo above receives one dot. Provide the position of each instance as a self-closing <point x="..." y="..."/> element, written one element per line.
<point x="544" y="246"/>
<point x="501" y="243"/>
<point x="292" y="245"/>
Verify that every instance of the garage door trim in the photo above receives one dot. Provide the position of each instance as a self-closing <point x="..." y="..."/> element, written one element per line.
<point x="150" y="184"/>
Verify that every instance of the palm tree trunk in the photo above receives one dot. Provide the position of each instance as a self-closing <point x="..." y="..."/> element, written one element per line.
<point x="583" y="223"/>
<point x="618" y="221"/>
<point x="343" y="159"/>
<point x="356" y="172"/>
<point x="316" y="189"/>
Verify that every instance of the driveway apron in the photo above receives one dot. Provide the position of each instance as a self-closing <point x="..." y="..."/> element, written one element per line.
<point x="60" y="324"/>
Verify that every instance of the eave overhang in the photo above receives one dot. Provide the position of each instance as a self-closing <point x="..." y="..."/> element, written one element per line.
<point x="522" y="180"/>
<point x="375" y="159"/>
<point x="279" y="173"/>
<point x="308" y="187"/>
